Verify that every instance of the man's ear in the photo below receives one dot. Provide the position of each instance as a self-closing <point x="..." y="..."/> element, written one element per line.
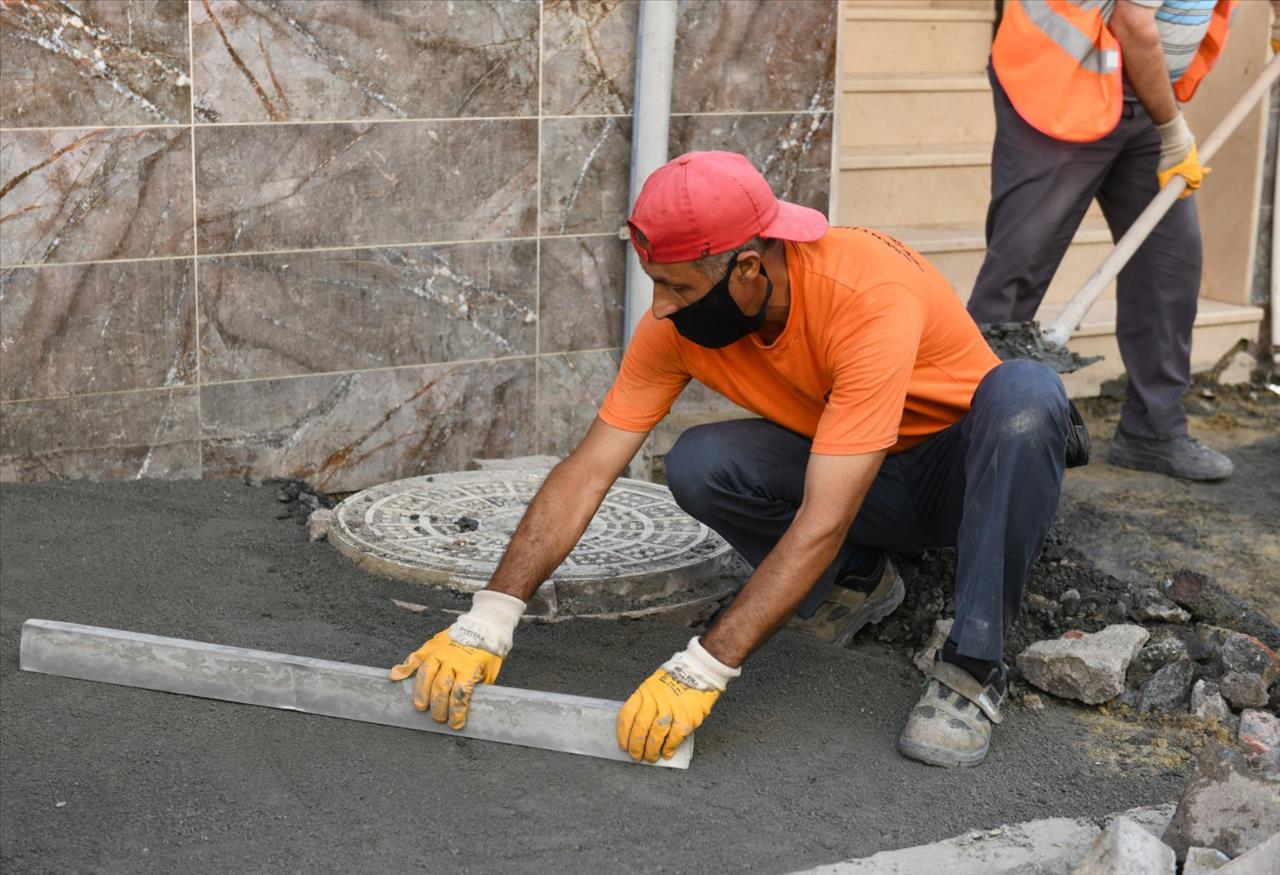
<point x="747" y="267"/>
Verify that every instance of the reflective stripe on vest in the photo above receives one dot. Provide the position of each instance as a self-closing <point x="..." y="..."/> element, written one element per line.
<point x="1211" y="46"/>
<point x="1060" y="67"/>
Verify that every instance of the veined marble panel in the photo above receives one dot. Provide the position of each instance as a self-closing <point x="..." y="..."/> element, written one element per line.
<point x="93" y="194"/>
<point x="582" y="293"/>
<point x="570" y="389"/>
<point x="588" y="56"/>
<point x="94" y="62"/>
<point x="344" y="432"/>
<point x="586" y="174"/>
<point x="793" y="151"/>
<point x="106" y="327"/>
<point x="755" y="55"/>
<point x="270" y="187"/>
<point x="338" y="59"/>
<point x="127" y="435"/>
<point x="319" y="312"/>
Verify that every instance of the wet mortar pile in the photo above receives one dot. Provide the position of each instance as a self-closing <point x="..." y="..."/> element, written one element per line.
<point x="796" y="767"/>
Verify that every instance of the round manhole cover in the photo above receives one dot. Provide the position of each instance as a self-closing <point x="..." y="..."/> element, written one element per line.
<point x="641" y="554"/>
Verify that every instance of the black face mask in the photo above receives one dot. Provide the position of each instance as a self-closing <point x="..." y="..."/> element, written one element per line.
<point x="714" y="320"/>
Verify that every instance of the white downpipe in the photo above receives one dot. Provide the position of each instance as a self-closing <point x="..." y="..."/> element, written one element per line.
<point x="655" y="61"/>
<point x="1275" y="263"/>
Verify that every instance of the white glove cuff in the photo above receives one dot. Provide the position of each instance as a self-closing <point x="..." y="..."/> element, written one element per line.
<point x="491" y="622"/>
<point x="1176" y="141"/>
<point x="696" y="668"/>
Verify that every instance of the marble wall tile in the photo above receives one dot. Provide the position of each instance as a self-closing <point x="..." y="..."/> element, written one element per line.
<point x="127" y="435"/>
<point x="348" y="431"/>
<point x="94" y="62"/>
<point x="570" y="389"/>
<point x="586" y="175"/>
<point x="582" y="293"/>
<point x="266" y="187"/>
<point x="338" y="59"/>
<point x="588" y="56"/>
<point x="755" y="55"/>
<point x="85" y="195"/>
<point x="107" y="327"/>
<point x="793" y="151"/>
<point x="278" y="315"/>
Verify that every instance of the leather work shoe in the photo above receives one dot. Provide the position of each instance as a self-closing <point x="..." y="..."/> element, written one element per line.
<point x="854" y="602"/>
<point x="1178" y="457"/>
<point x="1078" y="444"/>
<point x="951" y="724"/>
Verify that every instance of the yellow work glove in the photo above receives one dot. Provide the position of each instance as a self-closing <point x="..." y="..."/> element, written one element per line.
<point x="469" y="652"/>
<point x="671" y="703"/>
<point x="1178" y="156"/>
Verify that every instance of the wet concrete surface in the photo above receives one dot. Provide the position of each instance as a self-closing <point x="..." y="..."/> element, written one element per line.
<point x="795" y="767"/>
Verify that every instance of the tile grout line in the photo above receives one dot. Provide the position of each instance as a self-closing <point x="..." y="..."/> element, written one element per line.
<point x="267" y="252"/>
<point x="281" y="377"/>
<point x="402" y="121"/>
<point x="537" y="246"/>
<point x="195" y="239"/>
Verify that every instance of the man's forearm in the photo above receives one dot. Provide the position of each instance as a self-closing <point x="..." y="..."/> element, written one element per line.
<point x="552" y="525"/>
<point x="1144" y="62"/>
<point x="773" y="592"/>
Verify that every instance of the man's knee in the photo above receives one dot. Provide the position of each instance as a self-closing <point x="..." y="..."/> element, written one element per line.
<point x="690" y="466"/>
<point x="1025" y="400"/>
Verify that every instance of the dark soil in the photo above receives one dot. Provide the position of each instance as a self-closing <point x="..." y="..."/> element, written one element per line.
<point x="1023" y="340"/>
<point x="795" y="768"/>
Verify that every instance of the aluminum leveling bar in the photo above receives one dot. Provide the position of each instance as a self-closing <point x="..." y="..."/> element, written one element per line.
<point x="553" y="721"/>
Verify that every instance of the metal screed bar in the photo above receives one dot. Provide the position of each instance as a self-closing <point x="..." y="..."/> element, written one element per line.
<point x="552" y="721"/>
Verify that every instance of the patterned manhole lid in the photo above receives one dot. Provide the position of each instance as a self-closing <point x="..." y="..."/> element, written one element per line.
<point x="640" y="554"/>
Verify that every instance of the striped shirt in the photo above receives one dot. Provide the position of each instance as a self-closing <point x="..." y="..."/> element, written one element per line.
<point x="1182" y="25"/>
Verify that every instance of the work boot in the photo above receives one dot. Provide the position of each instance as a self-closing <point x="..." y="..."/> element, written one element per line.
<point x="1177" y="456"/>
<point x="1079" y="446"/>
<point x="951" y="724"/>
<point x="855" y="600"/>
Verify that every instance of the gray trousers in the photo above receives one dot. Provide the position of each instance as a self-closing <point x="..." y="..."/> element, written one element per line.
<point x="1040" y="190"/>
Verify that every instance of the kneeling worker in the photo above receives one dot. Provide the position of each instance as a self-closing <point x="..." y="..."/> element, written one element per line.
<point x="886" y="423"/>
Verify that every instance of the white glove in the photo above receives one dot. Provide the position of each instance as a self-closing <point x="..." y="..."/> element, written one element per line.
<point x="1176" y="142"/>
<point x="490" y="624"/>
<point x="696" y="668"/>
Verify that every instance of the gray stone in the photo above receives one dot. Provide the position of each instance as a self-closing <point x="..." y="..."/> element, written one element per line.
<point x="1081" y="666"/>
<point x="1260" y="733"/>
<point x="1245" y="654"/>
<point x="318" y="524"/>
<point x="1207" y="703"/>
<point x="552" y="721"/>
<point x="1228" y="804"/>
<point x="1124" y="848"/>
<point x="1203" y="860"/>
<point x="1155" y="655"/>
<point x="1238" y="370"/>
<point x="924" y="659"/>
<point x="1243" y="690"/>
<point x="521" y="463"/>
<point x="1166" y="690"/>
<point x="1261" y="860"/>
<point x="1070" y="601"/>
<point x="1151" y="606"/>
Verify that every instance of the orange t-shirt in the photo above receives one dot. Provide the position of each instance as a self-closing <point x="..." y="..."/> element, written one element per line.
<point x="878" y="353"/>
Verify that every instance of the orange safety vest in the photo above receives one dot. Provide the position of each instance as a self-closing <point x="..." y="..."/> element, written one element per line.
<point x="1060" y="65"/>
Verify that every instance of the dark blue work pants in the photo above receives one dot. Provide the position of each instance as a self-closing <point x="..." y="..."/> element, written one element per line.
<point x="988" y="486"/>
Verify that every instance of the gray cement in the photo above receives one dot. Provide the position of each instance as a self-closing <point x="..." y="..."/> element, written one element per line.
<point x="532" y="718"/>
<point x="795" y="768"/>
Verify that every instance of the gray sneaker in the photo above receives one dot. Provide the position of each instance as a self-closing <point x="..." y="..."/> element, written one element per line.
<point x="1178" y="457"/>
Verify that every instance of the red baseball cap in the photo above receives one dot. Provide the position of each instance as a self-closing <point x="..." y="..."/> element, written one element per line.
<point x="704" y="203"/>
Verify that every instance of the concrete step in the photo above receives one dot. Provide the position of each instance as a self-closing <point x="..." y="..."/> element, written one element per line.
<point x="888" y="40"/>
<point x="897" y="110"/>
<point x="1218" y="328"/>
<point x="914" y="184"/>
<point x="958" y="250"/>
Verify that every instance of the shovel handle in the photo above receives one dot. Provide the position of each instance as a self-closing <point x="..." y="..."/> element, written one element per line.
<point x="1069" y="319"/>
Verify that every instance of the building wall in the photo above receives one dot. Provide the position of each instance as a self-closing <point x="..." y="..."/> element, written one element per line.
<point x="346" y="241"/>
